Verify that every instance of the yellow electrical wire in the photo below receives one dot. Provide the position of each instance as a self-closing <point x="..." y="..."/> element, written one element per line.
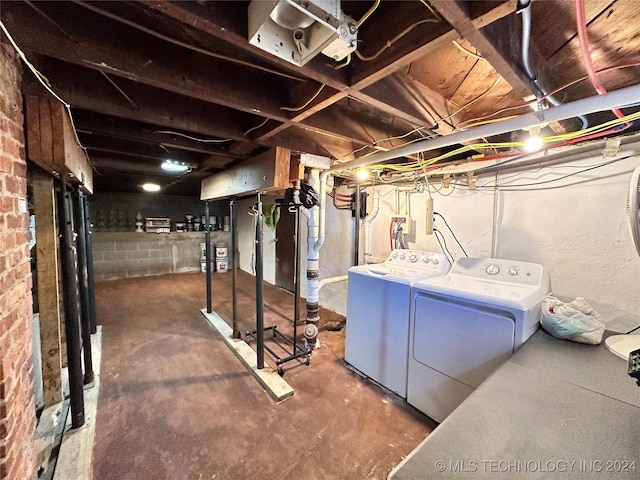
<point x="368" y="14"/>
<point x="305" y="104"/>
<point x="389" y="43"/>
<point x="468" y="52"/>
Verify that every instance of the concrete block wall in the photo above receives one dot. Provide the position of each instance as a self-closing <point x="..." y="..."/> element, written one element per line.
<point x="131" y="254"/>
<point x="17" y="410"/>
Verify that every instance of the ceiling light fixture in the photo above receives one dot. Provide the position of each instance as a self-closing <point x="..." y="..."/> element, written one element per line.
<point x="150" y="187"/>
<point x="534" y="141"/>
<point x="177" y="167"/>
<point x="362" y="174"/>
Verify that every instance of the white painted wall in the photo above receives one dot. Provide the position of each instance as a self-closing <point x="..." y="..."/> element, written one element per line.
<point x="575" y="227"/>
<point x="246" y="240"/>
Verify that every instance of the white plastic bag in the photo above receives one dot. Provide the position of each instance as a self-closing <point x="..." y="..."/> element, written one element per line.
<point x="575" y="321"/>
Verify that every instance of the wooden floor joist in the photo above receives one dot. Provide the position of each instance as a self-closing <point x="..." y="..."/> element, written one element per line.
<point x="267" y="376"/>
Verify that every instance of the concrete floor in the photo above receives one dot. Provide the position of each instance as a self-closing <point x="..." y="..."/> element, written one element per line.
<point x="175" y="403"/>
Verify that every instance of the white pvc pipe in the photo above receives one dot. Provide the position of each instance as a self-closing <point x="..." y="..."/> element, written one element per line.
<point x="327" y="281"/>
<point x="608" y="101"/>
<point x="367" y="225"/>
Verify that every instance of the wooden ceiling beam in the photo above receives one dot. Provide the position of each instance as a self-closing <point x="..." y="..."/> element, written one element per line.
<point x="91" y="123"/>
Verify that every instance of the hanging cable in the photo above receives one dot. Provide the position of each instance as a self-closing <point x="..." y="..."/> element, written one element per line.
<point x="306" y="104"/>
<point x="262" y="124"/>
<point x="468" y="52"/>
<point x="524" y="9"/>
<point x="453" y="234"/>
<point x="441" y="241"/>
<point x="581" y="23"/>
<point x="195" y="139"/>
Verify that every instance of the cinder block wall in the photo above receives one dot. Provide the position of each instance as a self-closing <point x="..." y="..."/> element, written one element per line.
<point x="17" y="410"/>
<point x="131" y="254"/>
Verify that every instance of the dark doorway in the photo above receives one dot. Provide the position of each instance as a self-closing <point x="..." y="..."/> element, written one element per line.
<point x="285" y="249"/>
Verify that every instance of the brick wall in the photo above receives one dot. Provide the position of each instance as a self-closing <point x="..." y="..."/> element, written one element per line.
<point x="17" y="411"/>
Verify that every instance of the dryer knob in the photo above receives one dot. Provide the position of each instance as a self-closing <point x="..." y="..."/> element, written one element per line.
<point x="413" y="258"/>
<point x="435" y="260"/>
<point x="513" y="271"/>
<point x="493" y="269"/>
<point x="425" y="259"/>
<point x="402" y="257"/>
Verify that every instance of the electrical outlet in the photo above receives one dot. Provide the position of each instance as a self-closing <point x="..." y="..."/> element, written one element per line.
<point x="429" y="216"/>
<point x="406" y="225"/>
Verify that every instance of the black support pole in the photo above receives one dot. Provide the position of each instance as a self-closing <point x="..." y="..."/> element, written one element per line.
<point x="356" y="235"/>
<point x="234" y="267"/>
<point x="85" y="322"/>
<point x="259" y="292"/>
<point x="207" y="254"/>
<point x="71" y="313"/>
<point x="90" y="278"/>
<point x="296" y="278"/>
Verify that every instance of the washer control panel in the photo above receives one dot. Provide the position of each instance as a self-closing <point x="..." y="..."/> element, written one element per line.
<point x="418" y="260"/>
<point x="505" y="271"/>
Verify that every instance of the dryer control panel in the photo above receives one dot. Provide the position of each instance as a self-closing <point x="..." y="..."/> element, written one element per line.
<point x="428" y="262"/>
<point x="504" y="271"/>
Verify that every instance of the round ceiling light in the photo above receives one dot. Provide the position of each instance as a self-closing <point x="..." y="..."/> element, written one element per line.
<point x="151" y="187"/>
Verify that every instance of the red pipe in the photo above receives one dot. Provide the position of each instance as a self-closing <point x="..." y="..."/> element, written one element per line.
<point x="581" y="23"/>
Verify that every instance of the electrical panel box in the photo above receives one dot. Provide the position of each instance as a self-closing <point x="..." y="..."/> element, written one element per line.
<point x="406" y="224"/>
<point x="429" y="216"/>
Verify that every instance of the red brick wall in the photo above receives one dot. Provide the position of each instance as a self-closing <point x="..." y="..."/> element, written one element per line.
<point x="17" y="410"/>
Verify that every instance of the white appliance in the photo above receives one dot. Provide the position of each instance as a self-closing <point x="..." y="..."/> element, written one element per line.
<point x="378" y="314"/>
<point x="466" y="324"/>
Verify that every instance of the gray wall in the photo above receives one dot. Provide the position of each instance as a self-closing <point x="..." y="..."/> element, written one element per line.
<point x="131" y="254"/>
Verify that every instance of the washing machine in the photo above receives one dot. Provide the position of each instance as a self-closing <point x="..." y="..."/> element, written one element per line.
<point x="378" y="314"/>
<point x="465" y="324"/>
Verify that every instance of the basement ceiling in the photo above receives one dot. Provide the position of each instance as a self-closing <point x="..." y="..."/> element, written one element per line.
<point x="154" y="80"/>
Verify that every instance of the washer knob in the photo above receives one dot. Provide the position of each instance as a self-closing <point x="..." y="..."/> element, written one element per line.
<point x="425" y="259"/>
<point x="513" y="271"/>
<point x="493" y="269"/>
<point x="394" y="256"/>
<point x="413" y="258"/>
<point x="435" y="260"/>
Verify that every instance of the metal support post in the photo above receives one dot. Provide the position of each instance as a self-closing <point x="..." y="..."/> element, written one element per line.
<point x="356" y="235"/>
<point x="259" y="290"/>
<point x="85" y="322"/>
<point x="91" y="286"/>
<point x="234" y="267"/>
<point x="207" y="254"/>
<point x="71" y="314"/>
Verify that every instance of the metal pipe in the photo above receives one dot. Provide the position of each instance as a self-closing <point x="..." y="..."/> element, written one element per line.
<point x="356" y="227"/>
<point x="85" y="323"/>
<point x="259" y="290"/>
<point x="91" y="286"/>
<point x="234" y="268"/>
<point x="608" y="101"/>
<point x="71" y="313"/>
<point x="207" y="254"/>
<point x="296" y="277"/>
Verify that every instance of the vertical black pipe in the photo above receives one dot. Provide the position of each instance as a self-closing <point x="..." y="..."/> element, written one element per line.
<point x="296" y="278"/>
<point x="234" y="269"/>
<point x="259" y="298"/>
<point x="85" y="322"/>
<point x="71" y="313"/>
<point x="207" y="254"/>
<point x="90" y="278"/>
<point x="356" y="235"/>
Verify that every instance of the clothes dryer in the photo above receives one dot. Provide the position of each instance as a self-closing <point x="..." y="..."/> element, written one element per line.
<point x="466" y="324"/>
